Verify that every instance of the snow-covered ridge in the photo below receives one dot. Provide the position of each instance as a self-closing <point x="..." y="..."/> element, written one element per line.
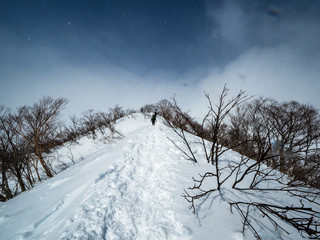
<point x="116" y="192"/>
<point x="129" y="189"/>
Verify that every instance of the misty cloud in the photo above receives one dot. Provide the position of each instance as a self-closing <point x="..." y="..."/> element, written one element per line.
<point x="279" y="56"/>
<point x="277" y="73"/>
<point x="42" y="71"/>
<point x="229" y="23"/>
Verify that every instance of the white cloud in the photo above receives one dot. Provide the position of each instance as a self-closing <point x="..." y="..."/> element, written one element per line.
<point x="89" y="86"/>
<point x="279" y="58"/>
<point x="277" y="73"/>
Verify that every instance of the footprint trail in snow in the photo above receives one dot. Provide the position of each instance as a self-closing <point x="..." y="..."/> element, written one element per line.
<point x="133" y="199"/>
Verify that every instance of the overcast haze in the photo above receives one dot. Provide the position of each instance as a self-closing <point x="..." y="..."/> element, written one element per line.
<point x="101" y="53"/>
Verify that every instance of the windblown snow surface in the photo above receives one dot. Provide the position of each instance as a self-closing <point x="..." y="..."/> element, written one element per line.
<point x="130" y="189"/>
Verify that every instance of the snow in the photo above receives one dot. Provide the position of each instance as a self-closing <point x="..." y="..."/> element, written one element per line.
<point x="128" y="189"/>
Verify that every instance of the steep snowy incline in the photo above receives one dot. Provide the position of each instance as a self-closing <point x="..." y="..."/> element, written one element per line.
<point x="131" y="190"/>
<point x="121" y="191"/>
<point x="132" y="199"/>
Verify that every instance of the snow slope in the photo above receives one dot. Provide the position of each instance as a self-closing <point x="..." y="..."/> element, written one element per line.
<point x="130" y="189"/>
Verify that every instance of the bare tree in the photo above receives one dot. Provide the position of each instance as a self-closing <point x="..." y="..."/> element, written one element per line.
<point x="116" y="113"/>
<point x="212" y="130"/>
<point x="147" y="109"/>
<point x="73" y="131"/>
<point x="29" y="135"/>
<point x="250" y="130"/>
<point x="297" y="127"/>
<point x="215" y="119"/>
<point x="165" y="108"/>
<point x="38" y="125"/>
<point x="14" y="154"/>
<point x="89" y="122"/>
<point x="304" y="219"/>
<point x="6" y="192"/>
<point x="179" y="122"/>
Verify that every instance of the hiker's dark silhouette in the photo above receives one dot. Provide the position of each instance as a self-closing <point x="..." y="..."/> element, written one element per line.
<point x="154" y="118"/>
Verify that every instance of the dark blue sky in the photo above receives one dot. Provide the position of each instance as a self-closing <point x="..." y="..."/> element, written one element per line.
<point x="139" y="35"/>
<point x="167" y="47"/>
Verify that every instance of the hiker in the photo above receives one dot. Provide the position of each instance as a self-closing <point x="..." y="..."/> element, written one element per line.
<point x="154" y="118"/>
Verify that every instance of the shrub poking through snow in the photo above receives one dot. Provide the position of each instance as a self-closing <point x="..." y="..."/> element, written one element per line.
<point x="249" y="128"/>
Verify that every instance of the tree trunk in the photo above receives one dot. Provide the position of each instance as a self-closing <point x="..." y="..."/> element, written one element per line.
<point x="5" y="185"/>
<point x="20" y="180"/>
<point x="282" y="163"/>
<point x="35" y="166"/>
<point x="29" y="176"/>
<point x="45" y="167"/>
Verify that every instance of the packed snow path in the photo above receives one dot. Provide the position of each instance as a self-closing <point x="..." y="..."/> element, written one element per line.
<point x="124" y="190"/>
<point x="131" y="200"/>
